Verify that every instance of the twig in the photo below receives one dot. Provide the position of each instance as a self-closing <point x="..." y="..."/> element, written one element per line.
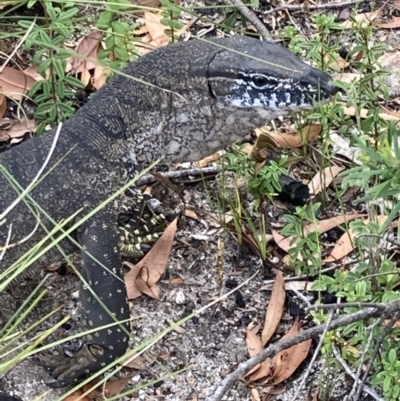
<point x="251" y="17"/>
<point x="347" y="305"/>
<point x="246" y="366"/>
<point x="311" y="7"/>
<point x="291" y="287"/>
<point x="368" y="390"/>
<point x="177" y="174"/>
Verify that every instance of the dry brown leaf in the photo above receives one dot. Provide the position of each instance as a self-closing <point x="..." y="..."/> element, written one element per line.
<point x="394" y="23"/>
<point x="286" y="243"/>
<point x="343" y="247"/>
<point x="275" y="309"/>
<point x="144" y="286"/>
<point x="351" y="111"/>
<point x="100" y="76"/>
<point x="86" y="52"/>
<point x="176" y="281"/>
<point x="77" y="395"/>
<point x="323" y="179"/>
<point x="209" y="159"/>
<point x="253" y="342"/>
<point x="254" y="346"/>
<point x="290" y="359"/>
<point x="11" y="129"/>
<point x="255" y="395"/>
<point x="146" y="273"/>
<point x="365" y="19"/>
<point x="247" y="148"/>
<point x="191" y="214"/>
<point x="133" y="362"/>
<point x="345" y="244"/>
<point x="156" y="28"/>
<point x="325" y="225"/>
<point x="272" y="319"/>
<point x="283" y="242"/>
<point x="260" y="371"/>
<point x="287" y="140"/>
<point x="309" y="133"/>
<point x="337" y="63"/>
<point x="110" y="389"/>
<point x="32" y="72"/>
<point x="3" y="105"/>
<point x="85" y="76"/>
<point x="14" y="83"/>
<point x="130" y="281"/>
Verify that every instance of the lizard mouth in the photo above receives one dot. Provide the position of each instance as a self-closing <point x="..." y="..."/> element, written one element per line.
<point x="282" y="94"/>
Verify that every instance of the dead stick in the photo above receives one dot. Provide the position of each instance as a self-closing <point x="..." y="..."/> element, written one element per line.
<point x="245" y="367"/>
<point x="311" y="7"/>
<point x="251" y="17"/>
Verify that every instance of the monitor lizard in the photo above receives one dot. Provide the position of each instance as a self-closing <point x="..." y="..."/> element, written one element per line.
<point x="180" y="102"/>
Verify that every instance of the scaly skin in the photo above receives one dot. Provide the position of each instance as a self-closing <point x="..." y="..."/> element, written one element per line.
<point x="202" y="96"/>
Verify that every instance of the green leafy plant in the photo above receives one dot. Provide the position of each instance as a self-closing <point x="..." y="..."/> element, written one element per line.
<point x="52" y="94"/>
<point x="305" y="252"/>
<point x="119" y="40"/>
<point x="264" y="182"/>
<point x="170" y="13"/>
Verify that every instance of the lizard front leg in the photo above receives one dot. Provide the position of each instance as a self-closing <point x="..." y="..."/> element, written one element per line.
<point x="102" y="270"/>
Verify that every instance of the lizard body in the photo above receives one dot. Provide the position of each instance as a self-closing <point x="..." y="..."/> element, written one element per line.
<point x="187" y="100"/>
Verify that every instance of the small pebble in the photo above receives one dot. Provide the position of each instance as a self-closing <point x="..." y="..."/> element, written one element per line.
<point x="180" y="298"/>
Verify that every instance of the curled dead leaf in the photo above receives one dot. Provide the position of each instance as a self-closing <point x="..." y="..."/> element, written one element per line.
<point x="156" y="29"/>
<point x="15" y="83"/>
<point x="86" y="52"/>
<point x="110" y="389"/>
<point x="3" y="105"/>
<point x="11" y="129"/>
<point x="145" y="274"/>
<point x="133" y="362"/>
<point x="346" y="243"/>
<point x="287" y="361"/>
<point x="323" y="179"/>
<point x="274" y="309"/>
<point x="287" y="140"/>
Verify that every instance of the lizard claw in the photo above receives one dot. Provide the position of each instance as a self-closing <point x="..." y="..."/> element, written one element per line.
<point x="69" y="370"/>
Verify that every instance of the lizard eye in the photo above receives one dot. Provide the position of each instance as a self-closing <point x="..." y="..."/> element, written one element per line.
<point x="260" y="81"/>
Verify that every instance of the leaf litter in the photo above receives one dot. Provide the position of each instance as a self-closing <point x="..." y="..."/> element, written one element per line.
<point x="274" y="370"/>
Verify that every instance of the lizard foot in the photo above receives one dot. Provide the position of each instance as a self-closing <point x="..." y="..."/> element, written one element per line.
<point x="69" y="370"/>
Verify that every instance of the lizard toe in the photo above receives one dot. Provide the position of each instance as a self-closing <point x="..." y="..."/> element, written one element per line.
<point x="69" y="370"/>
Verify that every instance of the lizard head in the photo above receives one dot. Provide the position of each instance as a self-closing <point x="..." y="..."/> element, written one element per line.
<point x="265" y="77"/>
